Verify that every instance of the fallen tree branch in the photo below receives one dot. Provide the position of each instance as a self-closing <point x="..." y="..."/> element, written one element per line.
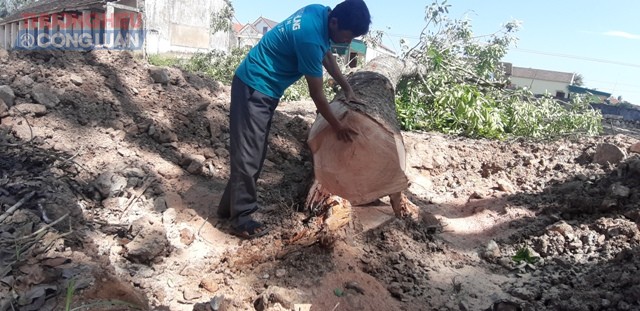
<point x="38" y="234"/>
<point x="199" y="235"/>
<point x="31" y="240"/>
<point x="48" y="246"/>
<point x="137" y="194"/>
<point x="16" y="206"/>
<point x="31" y="136"/>
<point x="71" y="160"/>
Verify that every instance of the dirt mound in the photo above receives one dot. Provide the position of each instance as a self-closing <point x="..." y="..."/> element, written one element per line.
<point x="110" y="167"/>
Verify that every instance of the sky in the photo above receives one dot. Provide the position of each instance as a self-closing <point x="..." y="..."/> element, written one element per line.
<point x="597" y="39"/>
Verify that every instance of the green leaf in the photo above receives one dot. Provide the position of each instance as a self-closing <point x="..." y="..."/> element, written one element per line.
<point x="524" y="254"/>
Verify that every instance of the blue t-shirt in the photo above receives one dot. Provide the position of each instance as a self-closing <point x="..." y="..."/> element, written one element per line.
<point x="295" y="47"/>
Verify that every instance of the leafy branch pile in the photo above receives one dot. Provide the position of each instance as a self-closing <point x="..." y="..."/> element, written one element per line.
<point x="215" y="64"/>
<point x="464" y="90"/>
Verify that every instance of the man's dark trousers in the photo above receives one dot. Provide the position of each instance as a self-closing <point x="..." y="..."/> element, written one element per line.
<point x="250" y="121"/>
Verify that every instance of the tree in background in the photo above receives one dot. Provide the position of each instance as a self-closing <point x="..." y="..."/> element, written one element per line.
<point x="9" y="6"/>
<point x="626" y="104"/>
<point x="3" y="9"/>
<point x="578" y="80"/>
<point x="221" y="19"/>
<point x="461" y="89"/>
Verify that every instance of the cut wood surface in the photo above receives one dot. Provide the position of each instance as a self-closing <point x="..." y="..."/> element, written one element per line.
<point x="364" y="170"/>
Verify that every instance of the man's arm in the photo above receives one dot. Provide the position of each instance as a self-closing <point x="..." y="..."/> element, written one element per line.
<point x="329" y="63"/>
<point x="317" y="95"/>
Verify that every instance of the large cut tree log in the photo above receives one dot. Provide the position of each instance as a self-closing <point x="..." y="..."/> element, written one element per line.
<point x="373" y="165"/>
<point x="346" y="174"/>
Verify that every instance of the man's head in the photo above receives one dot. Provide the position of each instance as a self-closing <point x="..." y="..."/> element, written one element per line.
<point x="348" y="20"/>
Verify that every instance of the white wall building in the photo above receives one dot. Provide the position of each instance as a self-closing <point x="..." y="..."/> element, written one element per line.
<point x="374" y="51"/>
<point x="249" y="35"/>
<point x="540" y="81"/>
<point x="183" y="26"/>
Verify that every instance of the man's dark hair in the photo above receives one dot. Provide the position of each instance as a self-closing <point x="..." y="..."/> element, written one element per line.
<point x="352" y="15"/>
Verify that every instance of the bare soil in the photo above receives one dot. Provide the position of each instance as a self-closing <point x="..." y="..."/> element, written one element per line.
<point x="121" y="175"/>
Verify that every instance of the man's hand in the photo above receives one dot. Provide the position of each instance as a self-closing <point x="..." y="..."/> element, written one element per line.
<point x="329" y="62"/>
<point x="345" y="133"/>
<point x="350" y="97"/>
